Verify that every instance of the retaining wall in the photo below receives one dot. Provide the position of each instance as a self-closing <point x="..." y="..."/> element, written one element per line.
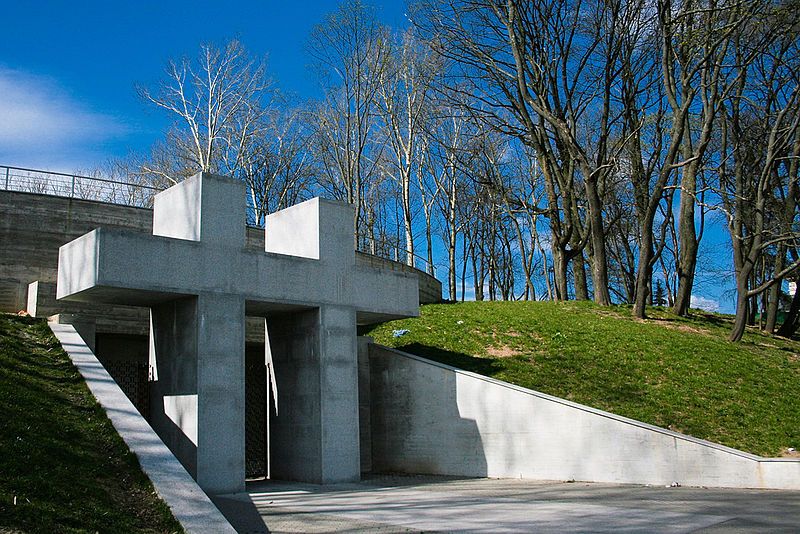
<point x="34" y="226"/>
<point x="430" y="418"/>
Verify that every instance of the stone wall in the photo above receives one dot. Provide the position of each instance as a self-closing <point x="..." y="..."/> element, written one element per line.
<point x="33" y="227"/>
<point x="430" y="418"/>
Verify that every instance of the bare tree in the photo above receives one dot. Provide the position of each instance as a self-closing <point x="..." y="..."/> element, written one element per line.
<point x="351" y="51"/>
<point x="544" y="72"/>
<point x="217" y="101"/>
<point x="757" y="181"/>
<point x="695" y="40"/>
<point x="404" y="91"/>
<point x="278" y="167"/>
<point x="446" y="160"/>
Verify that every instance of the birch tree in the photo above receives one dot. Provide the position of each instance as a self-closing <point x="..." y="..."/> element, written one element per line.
<point x="405" y="88"/>
<point x="351" y="51"/>
<point x="217" y="102"/>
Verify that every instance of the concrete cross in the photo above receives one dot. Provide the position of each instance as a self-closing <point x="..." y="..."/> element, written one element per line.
<point x="199" y="283"/>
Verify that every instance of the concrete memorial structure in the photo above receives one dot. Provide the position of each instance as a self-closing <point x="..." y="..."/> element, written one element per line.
<point x="199" y="283"/>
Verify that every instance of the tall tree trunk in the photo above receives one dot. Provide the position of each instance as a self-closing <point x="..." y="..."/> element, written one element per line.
<point x="477" y="278"/>
<point x="407" y="222"/>
<point x="546" y="274"/>
<point x="753" y="307"/>
<point x="464" y="255"/>
<point x="774" y="294"/>
<point x="579" y="276"/>
<point x="742" y="311"/>
<point x="559" y="271"/>
<point x="429" y="246"/>
<point x="644" y="270"/>
<point x="599" y="263"/>
<point x="687" y="244"/>
<point x="451" y="263"/>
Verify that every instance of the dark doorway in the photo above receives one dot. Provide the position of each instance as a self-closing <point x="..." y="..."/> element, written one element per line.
<point x="256" y="405"/>
<point x="125" y="357"/>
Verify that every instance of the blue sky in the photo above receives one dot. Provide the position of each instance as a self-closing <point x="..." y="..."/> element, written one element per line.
<point x="68" y="72"/>
<point x="68" y="69"/>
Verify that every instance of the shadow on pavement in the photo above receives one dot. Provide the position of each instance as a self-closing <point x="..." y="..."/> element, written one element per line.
<point x="241" y="513"/>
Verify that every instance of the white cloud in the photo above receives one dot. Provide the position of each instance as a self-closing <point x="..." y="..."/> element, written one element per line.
<point x="37" y="117"/>
<point x="702" y="303"/>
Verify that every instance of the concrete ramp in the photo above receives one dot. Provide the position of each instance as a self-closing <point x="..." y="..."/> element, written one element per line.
<point x="187" y="502"/>
<point x="430" y="418"/>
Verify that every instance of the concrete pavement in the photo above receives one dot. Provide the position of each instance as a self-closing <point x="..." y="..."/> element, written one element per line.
<point x="440" y="504"/>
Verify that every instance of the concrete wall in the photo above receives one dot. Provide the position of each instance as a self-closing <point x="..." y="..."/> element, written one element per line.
<point x="430" y="418"/>
<point x="33" y="226"/>
<point x="430" y="289"/>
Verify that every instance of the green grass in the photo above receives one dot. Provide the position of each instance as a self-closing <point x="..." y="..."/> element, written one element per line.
<point x="60" y="459"/>
<point x="672" y="372"/>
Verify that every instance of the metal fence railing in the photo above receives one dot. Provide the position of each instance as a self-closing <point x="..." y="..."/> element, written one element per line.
<point x="76" y="186"/>
<point x="138" y="195"/>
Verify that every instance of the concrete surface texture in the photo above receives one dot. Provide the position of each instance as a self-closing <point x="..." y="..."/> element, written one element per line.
<point x="188" y="503"/>
<point x="33" y="226"/>
<point x="199" y="281"/>
<point x="438" y="504"/>
<point x="487" y="428"/>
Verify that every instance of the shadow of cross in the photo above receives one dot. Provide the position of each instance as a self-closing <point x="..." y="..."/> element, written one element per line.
<point x="199" y="283"/>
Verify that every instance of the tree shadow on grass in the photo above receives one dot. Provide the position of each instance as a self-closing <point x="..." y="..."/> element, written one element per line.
<point x="609" y="393"/>
<point x="721" y="321"/>
<point x="481" y="366"/>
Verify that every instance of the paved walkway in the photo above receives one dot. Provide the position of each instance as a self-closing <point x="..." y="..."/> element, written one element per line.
<point x="436" y="504"/>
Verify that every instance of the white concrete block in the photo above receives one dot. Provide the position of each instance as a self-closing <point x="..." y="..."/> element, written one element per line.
<point x="294" y="231"/>
<point x="182" y="410"/>
<point x="177" y="210"/>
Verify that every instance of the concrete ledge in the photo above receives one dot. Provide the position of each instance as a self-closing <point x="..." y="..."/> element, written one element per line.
<point x="188" y="503"/>
<point x="486" y="427"/>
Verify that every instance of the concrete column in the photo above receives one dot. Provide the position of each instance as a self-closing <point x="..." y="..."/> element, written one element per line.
<point x="341" y="459"/>
<point x="294" y="339"/>
<point x="197" y="388"/>
<point x="315" y="437"/>
<point x="221" y="394"/>
<point x="364" y="422"/>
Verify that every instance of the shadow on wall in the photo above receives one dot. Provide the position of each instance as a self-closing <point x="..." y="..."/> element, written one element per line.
<point x="430" y="419"/>
<point x="416" y="423"/>
<point x="173" y="389"/>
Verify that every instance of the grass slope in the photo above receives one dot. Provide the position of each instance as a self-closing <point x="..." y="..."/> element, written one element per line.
<point x="672" y="372"/>
<point x="61" y="459"/>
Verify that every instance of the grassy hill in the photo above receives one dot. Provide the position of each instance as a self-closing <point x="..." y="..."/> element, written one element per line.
<point x="672" y="372"/>
<point x="63" y="468"/>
